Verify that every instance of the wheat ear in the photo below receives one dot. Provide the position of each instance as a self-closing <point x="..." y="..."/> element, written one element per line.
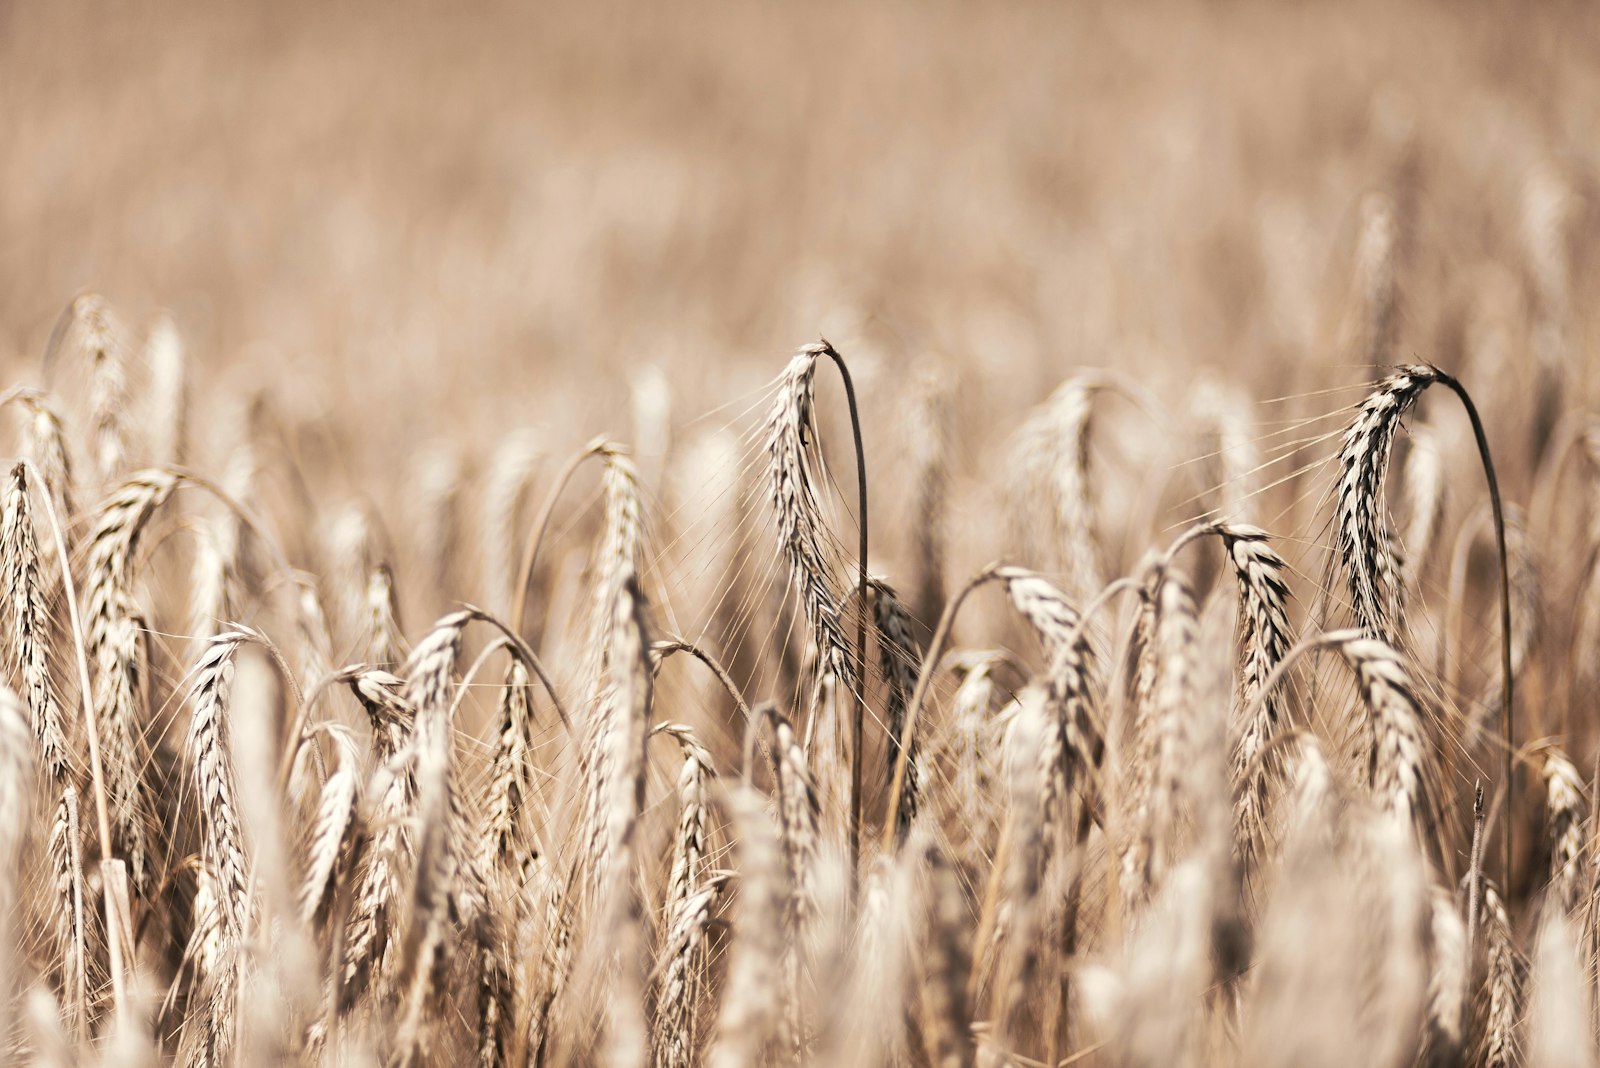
<point x="16" y="782"/>
<point x="111" y="643"/>
<point x="803" y="537"/>
<point x="749" y="1017"/>
<point x="1364" y="540"/>
<point x="900" y="662"/>
<point x="212" y="763"/>
<point x="31" y="629"/>
<point x="1564" y="807"/>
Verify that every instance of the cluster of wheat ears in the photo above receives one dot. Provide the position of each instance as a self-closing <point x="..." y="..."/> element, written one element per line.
<point x="1185" y="815"/>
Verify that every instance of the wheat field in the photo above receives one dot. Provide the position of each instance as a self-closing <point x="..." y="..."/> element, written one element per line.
<point x="911" y="534"/>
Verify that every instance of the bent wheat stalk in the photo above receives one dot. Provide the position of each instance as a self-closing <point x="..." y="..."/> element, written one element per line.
<point x="789" y="433"/>
<point x="1364" y="540"/>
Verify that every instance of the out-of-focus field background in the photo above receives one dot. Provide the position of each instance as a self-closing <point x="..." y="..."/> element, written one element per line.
<point x="507" y="209"/>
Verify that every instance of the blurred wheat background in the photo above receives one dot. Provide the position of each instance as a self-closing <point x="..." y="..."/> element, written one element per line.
<point x="319" y="320"/>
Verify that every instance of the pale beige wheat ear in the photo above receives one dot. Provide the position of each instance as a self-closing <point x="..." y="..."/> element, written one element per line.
<point x="867" y="1021"/>
<point x="1364" y="535"/>
<point x="440" y="479"/>
<point x="1264" y="640"/>
<point x="1232" y="456"/>
<point x="690" y="899"/>
<point x="212" y="589"/>
<point x="1402" y="775"/>
<point x="375" y="894"/>
<point x="1171" y="729"/>
<point x="1426" y="493"/>
<point x="511" y="468"/>
<point x="798" y="815"/>
<point x="752" y="1005"/>
<point x="1365" y="543"/>
<point x="349" y="555"/>
<point x="1376" y="276"/>
<point x="1560" y="1033"/>
<point x="331" y="841"/>
<point x="650" y="412"/>
<point x="617" y="557"/>
<point x="211" y="761"/>
<point x="676" y="1038"/>
<point x="1549" y="207"/>
<point x="512" y="787"/>
<point x="31" y="630"/>
<point x="1500" y="999"/>
<point x="929" y="430"/>
<point x="805" y="541"/>
<point x="384" y="634"/>
<point x="168" y="405"/>
<point x="313" y="640"/>
<point x="45" y="444"/>
<point x="425" y="950"/>
<point x="946" y="964"/>
<point x="616" y="740"/>
<point x="1448" y="964"/>
<point x="1007" y="939"/>
<point x="612" y="767"/>
<point x="900" y="662"/>
<point x="975" y="739"/>
<point x="111" y="643"/>
<point x="1077" y="736"/>
<point x="1565" y="816"/>
<point x="108" y="387"/>
<point x="16" y="783"/>
<point x="213" y="959"/>
<point x="65" y="850"/>
<point x="45" y="1031"/>
<point x="690" y="843"/>
<point x="1052" y="457"/>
